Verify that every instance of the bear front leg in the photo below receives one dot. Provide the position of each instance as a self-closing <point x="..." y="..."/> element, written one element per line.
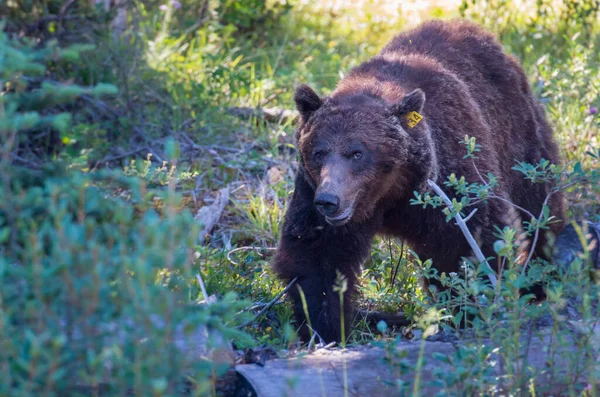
<point x="316" y="252"/>
<point x="323" y="307"/>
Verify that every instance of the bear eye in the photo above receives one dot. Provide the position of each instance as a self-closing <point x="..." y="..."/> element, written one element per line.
<point x="318" y="154"/>
<point x="357" y="155"/>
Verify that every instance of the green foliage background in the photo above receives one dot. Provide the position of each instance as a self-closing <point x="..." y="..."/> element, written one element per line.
<point x="111" y="140"/>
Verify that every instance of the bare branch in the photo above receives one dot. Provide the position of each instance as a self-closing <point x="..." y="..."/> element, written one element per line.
<point x="466" y="232"/>
<point x="270" y="304"/>
<point x="202" y="287"/>
<point x="537" y="229"/>
<point x="25" y="161"/>
<point x="496" y="197"/>
<point x="247" y="249"/>
<point x="110" y="159"/>
<point x="470" y="215"/>
<point x="156" y="156"/>
<point x="195" y="146"/>
<point x="258" y="305"/>
<point x="268" y="114"/>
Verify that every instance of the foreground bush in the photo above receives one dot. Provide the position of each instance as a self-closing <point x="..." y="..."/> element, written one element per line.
<point x="96" y="292"/>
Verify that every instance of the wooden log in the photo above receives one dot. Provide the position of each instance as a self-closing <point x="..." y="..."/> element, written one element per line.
<point x="208" y="216"/>
<point x="274" y="115"/>
<point x="365" y="372"/>
<point x="326" y="372"/>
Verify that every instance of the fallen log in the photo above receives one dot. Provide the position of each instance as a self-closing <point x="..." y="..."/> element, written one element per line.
<point x="553" y="367"/>
<point x="273" y="115"/>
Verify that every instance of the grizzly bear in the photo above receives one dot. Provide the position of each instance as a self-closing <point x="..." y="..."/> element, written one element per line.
<point x="363" y="154"/>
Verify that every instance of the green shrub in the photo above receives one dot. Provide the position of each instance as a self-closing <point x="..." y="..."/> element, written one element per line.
<point x="251" y="14"/>
<point x="499" y="311"/>
<point x="96" y="287"/>
<point x="30" y="100"/>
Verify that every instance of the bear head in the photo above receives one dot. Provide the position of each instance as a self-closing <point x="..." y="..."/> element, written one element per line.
<point x="359" y="151"/>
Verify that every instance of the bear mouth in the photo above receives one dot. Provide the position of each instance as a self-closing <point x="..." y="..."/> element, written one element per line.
<point x="346" y="215"/>
<point x="341" y="219"/>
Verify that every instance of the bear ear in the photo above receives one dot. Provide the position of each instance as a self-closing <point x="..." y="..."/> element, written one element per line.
<point x="307" y="101"/>
<point x="412" y="102"/>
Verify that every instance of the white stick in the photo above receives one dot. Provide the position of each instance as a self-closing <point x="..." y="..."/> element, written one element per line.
<point x="202" y="287"/>
<point x="465" y="230"/>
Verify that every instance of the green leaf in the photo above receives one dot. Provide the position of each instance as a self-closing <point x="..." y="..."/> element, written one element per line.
<point x="61" y="121"/>
<point x="172" y="149"/>
<point x="4" y="235"/>
<point x="104" y="89"/>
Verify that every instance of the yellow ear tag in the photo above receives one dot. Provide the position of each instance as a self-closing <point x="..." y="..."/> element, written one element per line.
<point x="413" y="119"/>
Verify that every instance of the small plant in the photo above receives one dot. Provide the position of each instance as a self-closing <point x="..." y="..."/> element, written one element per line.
<point x="157" y="175"/>
<point x="263" y="213"/>
<point x="390" y="279"/>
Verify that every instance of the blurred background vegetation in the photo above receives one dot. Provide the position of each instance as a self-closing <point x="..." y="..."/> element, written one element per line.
<point x="117" y="125"/>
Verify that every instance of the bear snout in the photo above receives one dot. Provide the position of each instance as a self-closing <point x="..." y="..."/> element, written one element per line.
<point x="327" y="204"/>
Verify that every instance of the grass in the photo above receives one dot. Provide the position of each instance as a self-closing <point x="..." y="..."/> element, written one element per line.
<point x="178" y="79"/>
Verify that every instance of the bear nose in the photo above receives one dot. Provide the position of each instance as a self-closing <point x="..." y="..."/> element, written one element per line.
<point x="327" y="204"/>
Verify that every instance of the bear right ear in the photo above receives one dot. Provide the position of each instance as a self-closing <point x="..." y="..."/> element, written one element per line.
<point x="307" y="101"/>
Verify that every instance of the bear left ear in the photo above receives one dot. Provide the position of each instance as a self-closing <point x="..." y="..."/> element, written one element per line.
<point x="412" y="102"/>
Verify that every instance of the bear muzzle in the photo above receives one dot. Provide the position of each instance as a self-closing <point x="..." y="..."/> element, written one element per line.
<point x="333" y="209"/>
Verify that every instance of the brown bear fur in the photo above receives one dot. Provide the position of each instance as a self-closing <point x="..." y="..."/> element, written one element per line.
<point x="361" y="164"/>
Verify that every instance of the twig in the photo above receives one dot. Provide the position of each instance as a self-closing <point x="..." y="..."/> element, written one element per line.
<point x="246" y="249"/>
<point x="537" y="229"/>
<point x="268" y="114"/>
<point x="465" y="230"/>
<point x="526" y="212"/>
<point x="196" y="26"/>
<point x="120" y="156"/>
<point x="101" y="106"/>
<point x="25" y="161"/>
<point x="538" y="218"/>
<point x="271" y="303"/>
<point x="397" y="268"/>
<point x="156" y="156"/>
<point x="207" y="147"/>
<point x="202" y="286"/>
<point x="328" y="346"/>
<point x="258" y="305"/>
<point x="315" y="335"/>
<point x="64" y="8"/>
<point x="495" y="196"/>
<point x="470" y="215"/>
